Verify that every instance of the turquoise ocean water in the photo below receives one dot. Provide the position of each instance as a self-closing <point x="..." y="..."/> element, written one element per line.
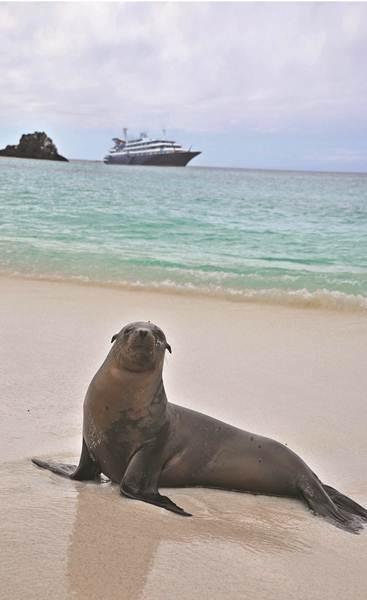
<point x="282" y="237"/>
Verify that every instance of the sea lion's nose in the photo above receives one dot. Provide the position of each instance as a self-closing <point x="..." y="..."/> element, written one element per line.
<point x="143" y="332"/>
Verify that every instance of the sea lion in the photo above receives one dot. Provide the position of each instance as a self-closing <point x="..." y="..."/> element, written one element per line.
<point x="138" y="439"/>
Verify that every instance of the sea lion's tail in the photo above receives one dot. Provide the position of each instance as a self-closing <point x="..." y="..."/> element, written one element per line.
<point x="59" y="468"/>
<point x="346" y="503"/>
<point x="340" y="510"/>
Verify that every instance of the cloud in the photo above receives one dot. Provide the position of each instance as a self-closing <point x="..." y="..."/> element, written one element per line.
<point x="195" y="66"/>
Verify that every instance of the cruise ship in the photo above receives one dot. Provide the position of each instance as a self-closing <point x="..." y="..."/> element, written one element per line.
<point x="147" y="151"/>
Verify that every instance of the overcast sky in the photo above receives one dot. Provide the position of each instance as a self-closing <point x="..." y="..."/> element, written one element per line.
<point x="250" y="84"/>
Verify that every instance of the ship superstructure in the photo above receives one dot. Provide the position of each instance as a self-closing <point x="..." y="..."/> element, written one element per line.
<point x="147" y="151"/>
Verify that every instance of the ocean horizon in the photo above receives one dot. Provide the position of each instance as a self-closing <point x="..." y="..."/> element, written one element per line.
<point x="288" y="237"/>
<point x="234" y="168"/>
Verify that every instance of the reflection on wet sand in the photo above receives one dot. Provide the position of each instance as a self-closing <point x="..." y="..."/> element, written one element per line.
<point x="121" y="545"/>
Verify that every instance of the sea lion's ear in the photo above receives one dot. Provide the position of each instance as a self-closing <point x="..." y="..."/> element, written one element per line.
<point x="114" y="337"/>
<point x="168" y="347"/>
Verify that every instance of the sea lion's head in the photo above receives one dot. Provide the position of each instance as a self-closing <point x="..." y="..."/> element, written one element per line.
<point x="140" y="346"/>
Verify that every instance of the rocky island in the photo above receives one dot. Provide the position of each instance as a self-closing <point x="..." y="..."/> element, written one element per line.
<point x="34" y="145"/>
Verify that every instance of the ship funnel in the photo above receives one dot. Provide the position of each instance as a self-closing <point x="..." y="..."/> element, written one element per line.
<point x="125" y="133"/>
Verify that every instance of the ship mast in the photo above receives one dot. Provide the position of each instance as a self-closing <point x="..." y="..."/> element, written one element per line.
<point x="125" y="133"/>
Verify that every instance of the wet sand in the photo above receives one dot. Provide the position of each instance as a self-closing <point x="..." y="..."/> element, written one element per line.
<point x="297" y="375"/>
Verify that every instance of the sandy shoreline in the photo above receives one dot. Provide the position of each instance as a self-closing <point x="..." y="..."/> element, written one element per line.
<point x="302" y="298"/>
<point x="293" y="374"/>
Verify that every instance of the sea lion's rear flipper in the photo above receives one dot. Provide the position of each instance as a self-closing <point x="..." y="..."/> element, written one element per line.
<point x="86" y="469"/>
<point x="322" y="504"/>
<point x="346" y="503"/>
<point x="140" y="480"/>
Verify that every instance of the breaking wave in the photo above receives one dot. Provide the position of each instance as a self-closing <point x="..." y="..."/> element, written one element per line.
<point x="301" y="298"/>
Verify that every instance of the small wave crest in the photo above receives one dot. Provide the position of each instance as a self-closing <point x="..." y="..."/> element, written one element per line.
<point x="301" y="298"/>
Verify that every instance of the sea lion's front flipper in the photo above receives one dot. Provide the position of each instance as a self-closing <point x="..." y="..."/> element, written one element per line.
<point x="140" y="480"/>
<point x="86" y="469"/>
<point x="156" y="499"/>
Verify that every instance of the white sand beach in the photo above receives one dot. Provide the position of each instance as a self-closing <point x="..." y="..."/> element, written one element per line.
<point x="297" y="375"/>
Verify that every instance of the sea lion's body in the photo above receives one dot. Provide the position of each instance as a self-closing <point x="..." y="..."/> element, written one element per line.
<point x="135" y="437"/>
<point x="210" y="453"/>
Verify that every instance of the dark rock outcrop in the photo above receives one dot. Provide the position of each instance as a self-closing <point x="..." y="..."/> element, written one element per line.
<point x="34" y="145"/>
